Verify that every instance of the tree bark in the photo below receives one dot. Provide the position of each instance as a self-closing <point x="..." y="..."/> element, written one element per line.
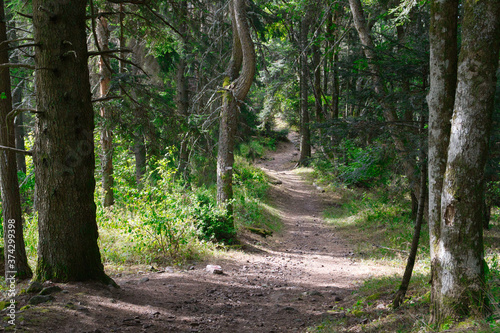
<point x="305" y="132"/>
<point x="458" y="258"/>
<point x="64" y="146"/>
<point x="441" y="99"/>
<point x="237" y="86"/>
<point x="183" y="93"/>
<point x="106" y="131"/>
<point x="16" y="262"/>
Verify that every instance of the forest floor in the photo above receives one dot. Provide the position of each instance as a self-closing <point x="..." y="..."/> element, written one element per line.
<point x="282" y="283"/>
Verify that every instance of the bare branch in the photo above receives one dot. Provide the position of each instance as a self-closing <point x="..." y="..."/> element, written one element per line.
<point x="25" y="15"/>
<point x="102" y="99"/>
<point x="11" y="65"/>
<point x="15" y="40"/>
<point x="26" y="152"/>
<point x="98" y="53"/>
<point x="163" y="20"/>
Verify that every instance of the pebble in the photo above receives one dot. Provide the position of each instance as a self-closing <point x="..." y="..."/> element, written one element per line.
<point x="214" y="269"/>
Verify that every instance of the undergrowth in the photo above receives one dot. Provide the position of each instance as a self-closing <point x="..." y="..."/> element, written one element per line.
<point x="164" y="220"/>
<point x="377" y="223"/>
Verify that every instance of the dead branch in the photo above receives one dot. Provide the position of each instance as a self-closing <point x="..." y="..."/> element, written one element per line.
<point x="26" y="152"/>
<point x="11" y="65"/>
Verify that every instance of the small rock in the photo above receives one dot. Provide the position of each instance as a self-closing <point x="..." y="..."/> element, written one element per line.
<point x="50" y="290"/>
<point x="34" y="287"/>
<point x="381" y="307"/>
<point x="169" y="269"/>
<point x="144" y="279"/>
<point x="337" y="299"/>
<point x="38" y="299"/>
<point x="214" y="269"/>
<point x="191" y="268"/>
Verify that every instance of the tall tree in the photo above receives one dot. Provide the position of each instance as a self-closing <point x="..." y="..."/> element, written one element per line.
<point x="106" y="132"/>
<point x="11" y="199"/>
<point x="458" y="159"/>
<point x="389" y="111"/>
<point x="305" y="131"/>
<point x="64" y="147"/>
<point x="240" y="74"/>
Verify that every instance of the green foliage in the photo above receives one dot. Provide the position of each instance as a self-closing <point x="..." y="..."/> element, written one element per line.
<point x="213" y="222"/>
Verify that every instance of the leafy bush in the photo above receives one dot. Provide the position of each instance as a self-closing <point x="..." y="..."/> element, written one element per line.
<point x="213" y="222"/>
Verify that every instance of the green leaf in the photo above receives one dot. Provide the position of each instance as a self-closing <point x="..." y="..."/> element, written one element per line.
<point x="3" y="95"/>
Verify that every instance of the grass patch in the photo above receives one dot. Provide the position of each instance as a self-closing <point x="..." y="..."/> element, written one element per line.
<point x="376" y="216"/>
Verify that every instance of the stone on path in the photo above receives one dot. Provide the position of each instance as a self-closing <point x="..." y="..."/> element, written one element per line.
<point x="214" y="269"/>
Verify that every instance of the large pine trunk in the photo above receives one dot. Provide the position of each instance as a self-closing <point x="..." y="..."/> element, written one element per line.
<point x="458" y="275"/>
<point x="64" y="147"/>
<point x="15" y="253"/>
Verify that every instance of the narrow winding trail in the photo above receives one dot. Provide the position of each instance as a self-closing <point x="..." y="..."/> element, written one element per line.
<point x="284" y="283"/>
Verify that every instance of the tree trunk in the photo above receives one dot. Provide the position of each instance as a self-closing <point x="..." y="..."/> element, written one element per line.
<point x="403" y="288"/>
<point x="237" y="87"/>
<point x="64" y="146"/>
<point x="106" y="132"/>
<point x="458" y="259"/>
<point x="16" y="263"/>
<point x="19" y="139"/>
<point x="390" y="114"/>
<point x="17" y="96"/>
<point x="305" y="132"/>
<point x="183" y="94"/>
<point x="140" y="158"/>
<point x="441" y="99"/>
<point x="318" y="103"/>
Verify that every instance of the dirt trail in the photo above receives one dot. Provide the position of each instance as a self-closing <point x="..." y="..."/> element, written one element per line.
<point x="280" y="284"/>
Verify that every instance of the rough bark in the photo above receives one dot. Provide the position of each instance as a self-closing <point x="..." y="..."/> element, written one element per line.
<point x="441" y="99"/>
<point x="106" y="131"/>
<point x="458" y="258"/>
<point x="16" y="263"/>
<point x="182" y="99"/>
<point x="17" y="96"/>
<point x="305" y="132"/>
<point x="64" y="146"/>
<point x="237" y="85"/>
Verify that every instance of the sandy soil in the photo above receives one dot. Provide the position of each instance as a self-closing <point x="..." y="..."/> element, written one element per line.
<point x="283" y="283"/>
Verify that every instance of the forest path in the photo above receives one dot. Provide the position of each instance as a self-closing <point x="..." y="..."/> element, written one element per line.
<point x="279" y="284"/>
